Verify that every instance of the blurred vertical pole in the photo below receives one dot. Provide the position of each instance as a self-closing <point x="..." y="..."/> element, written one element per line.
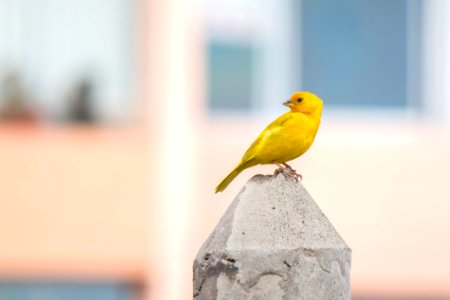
<point x="280" y="38"/>
<point x="436" y="59"/>
<point x="173" y="81"/>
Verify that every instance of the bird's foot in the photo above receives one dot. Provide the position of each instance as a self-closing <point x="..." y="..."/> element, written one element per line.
<point x="287" y="171"/>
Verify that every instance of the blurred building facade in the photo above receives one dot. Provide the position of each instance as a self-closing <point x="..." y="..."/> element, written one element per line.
<point x="108" y="212"/>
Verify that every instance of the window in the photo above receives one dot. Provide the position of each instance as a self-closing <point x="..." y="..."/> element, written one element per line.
<point x="58" y="48"/>
<point x="355" y="52"/>
<point x="231" y="72"/>
<point x="57" y="290"/>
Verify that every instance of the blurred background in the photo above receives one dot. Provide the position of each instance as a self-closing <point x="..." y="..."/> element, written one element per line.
<point x="118" y="118"/>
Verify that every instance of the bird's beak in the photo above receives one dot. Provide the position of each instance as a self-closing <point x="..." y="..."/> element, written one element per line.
<point x="288" y="103"/>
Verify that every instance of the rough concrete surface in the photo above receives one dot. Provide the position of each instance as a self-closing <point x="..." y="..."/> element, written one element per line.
<point x="273" y="243"/>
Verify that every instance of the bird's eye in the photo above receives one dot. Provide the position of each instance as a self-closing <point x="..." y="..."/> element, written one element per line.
<point x="299" y="100"/>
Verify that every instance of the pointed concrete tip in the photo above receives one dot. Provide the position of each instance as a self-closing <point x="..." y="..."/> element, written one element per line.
<point x="273" y="243"/>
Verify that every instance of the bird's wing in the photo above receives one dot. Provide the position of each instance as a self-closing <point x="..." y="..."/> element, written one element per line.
<point x="272" y="129"/>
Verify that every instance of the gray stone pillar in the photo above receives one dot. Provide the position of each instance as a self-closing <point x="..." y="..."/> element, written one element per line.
<point x="273" y="243"/>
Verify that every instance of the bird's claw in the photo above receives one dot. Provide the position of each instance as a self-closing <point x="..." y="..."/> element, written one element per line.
<point x="288" y="172"/>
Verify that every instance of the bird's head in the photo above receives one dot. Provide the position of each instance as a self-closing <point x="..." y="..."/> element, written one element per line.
<point x="304" y="102"/>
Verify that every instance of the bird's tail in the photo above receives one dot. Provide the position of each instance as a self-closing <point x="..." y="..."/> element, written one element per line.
<point x="223" y="185"/>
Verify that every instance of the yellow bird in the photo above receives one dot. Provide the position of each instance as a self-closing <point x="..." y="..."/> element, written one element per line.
<point x="285" y="139"/>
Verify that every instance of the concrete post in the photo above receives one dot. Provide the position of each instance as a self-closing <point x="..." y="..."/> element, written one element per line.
<point x="273" y="243"/>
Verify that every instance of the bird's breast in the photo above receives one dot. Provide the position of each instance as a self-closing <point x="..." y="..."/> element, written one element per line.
<point x="299" y="137"/>
<point x="288" y="141"/>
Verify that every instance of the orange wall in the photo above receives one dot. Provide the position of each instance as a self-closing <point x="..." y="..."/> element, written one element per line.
<point x="73" y="202"/>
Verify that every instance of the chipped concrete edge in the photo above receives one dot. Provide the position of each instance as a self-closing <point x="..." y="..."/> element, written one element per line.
<point x="202" y="263"/>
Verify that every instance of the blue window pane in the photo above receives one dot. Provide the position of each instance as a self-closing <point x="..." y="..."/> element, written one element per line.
<point x="230" y="68"/>
<point x="354" y="52"/>
<point x="49" y="290"/>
